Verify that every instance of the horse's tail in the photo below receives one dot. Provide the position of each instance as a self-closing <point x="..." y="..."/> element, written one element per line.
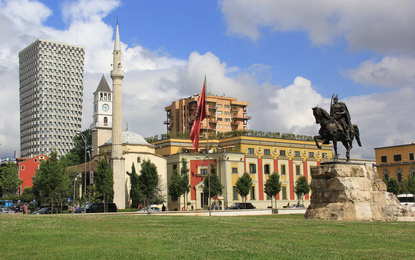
<point x="357" y="135"/>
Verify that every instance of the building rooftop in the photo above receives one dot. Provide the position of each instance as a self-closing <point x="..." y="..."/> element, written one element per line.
<point x="130" y="138"/>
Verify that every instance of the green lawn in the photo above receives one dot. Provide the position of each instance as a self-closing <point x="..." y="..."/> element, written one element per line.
<point x="190" y="237"/>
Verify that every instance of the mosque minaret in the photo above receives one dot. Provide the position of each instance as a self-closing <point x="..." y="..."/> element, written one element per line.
<point x="117" y="160"/>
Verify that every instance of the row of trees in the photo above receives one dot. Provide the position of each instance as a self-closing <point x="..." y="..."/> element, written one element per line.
<point x="54" y="183"/>
<point x="179" y="184"/>
<point x="407" y="186"/>
<point x="234" y="133"/>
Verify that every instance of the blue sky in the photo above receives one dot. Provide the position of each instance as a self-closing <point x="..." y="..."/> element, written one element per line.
<point x="283" y="57"/>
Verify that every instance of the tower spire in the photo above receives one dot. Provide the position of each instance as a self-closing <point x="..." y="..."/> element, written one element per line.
<point x="117" y="43"/>
<point x="117" y="160"/>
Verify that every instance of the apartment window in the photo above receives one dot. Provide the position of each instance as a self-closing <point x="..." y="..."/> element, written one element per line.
<point x="219" y="105"/>
<point x="411" y="156"/>
<point x="384" y="158"/>
<point x="311" y="154"/>
<point x="234" y="170"/>
<point x="252" y="168"/>
<point x="139" y="160"/>
<point x="35" y="160"/>
<point x="251" y="150"/>
<point x="252" y="192"/>
<point x="227" y="113"/>
<point x="397" y="157"/>
<point x="282" y="152"/>
<point x="283" y="169"/>
<point x="386" y="176"/>
<point x="297" y="170"/>
<point x="227" y="120"/>
<point x="22" y="167"/>
<point x="219" y="112"/>
<point x="325" y="156"/>
<point x="266" y="169"/>
<point x="174" y="167"/>
<point x="235" y="193"/>
<point x="220" y="119"/>
<point x="297" y="154"/>
<point x="284" y="192"/>
<point x="226" y="106"/>
<point x="267" y="151"/>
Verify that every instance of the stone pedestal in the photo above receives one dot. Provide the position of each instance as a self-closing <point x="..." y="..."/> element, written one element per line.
<point x="346" y="191"/>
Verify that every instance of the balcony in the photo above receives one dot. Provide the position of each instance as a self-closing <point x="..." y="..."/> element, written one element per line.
<point x="166" y="122"/>
<point x="241" y="117"/>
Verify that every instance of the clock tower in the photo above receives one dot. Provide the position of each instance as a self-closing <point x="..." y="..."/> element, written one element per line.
<point x="102" y="115"/>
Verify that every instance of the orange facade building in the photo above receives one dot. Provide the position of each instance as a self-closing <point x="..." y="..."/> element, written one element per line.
<point x="223" y="114"/>
<point x="27" y="170"/>
<point x="396" y="161"/>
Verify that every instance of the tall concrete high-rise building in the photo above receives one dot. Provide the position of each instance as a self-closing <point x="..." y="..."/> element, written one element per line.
<point x="51" y="92"/>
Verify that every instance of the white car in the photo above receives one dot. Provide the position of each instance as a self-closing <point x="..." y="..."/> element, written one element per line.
<point x="6" y="211"/>
<point x="152" y="209"/>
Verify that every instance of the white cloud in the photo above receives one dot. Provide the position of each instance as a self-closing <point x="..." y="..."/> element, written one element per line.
<point x="87" y="10"/>
<point x="153" y="80"/>
<point x="383" y="26"/>
<point x="390" y="72"/>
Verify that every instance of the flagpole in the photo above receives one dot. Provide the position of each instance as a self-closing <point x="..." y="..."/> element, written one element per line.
<point x="207" y="149"/>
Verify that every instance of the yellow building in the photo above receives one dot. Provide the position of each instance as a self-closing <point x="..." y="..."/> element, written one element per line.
<point x="233" y="156"/>
<point x="223" y="114"/>
<point x="395" y="161"/>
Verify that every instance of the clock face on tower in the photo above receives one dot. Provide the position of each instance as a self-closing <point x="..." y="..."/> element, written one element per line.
<point x="105" y="107"/>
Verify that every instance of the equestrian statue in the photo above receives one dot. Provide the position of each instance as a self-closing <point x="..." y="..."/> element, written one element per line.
<point x="336" y="126"/>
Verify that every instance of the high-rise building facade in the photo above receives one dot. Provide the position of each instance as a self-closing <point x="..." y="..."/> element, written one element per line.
<point x="51" y="92"/>
<point x="223" y="114"/>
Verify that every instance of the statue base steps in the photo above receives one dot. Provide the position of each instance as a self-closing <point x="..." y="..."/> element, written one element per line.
<point x="346" y="191"/>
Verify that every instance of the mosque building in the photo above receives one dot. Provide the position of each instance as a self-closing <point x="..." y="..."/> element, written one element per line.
<point x="123" y="148"/>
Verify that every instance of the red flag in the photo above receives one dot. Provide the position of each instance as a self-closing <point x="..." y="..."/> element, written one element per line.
<point x="200" y="115"/>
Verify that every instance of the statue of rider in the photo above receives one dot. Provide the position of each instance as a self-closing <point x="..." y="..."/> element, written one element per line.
<point x="340" y="113"/>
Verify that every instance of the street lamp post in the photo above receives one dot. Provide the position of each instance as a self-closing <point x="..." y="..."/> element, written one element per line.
<point x="74" y="194"/>
<point x="85" y="141"/>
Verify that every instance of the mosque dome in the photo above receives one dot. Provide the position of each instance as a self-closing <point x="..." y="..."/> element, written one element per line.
<point x="130" y="138"/>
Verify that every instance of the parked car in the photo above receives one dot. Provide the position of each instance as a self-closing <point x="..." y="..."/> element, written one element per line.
<point x="297" y="206"/>
<point x="98" y="207"/>
<point x="47" y="210"/>
<point x="16" y="208"/>
<point x="152" y="208"/>
<point x="7" y="211"/>
<point x="242" y="205"/>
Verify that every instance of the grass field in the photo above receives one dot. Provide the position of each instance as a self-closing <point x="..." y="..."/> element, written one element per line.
<point x="190" y="237"/>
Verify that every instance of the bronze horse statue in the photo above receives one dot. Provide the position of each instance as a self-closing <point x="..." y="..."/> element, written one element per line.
<point x="331" y="130"/>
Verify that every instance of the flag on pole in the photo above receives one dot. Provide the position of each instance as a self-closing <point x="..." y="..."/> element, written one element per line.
<point x="200" y="115"/>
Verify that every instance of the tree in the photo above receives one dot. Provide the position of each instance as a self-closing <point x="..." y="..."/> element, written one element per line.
<point x="9" y="179"/>
<point x="51" y="180"/>
<point x="408" y="185"/>
<point x="27" y="195"/>
<point x="77" y="154"/>
<point x="392" y="186"/>
<point x="184" y="171"/>
<point x="135" y="192"/>
<point x="175" y="186"/>
<point x="301" y="187"/>
<point x="104" y="181"/>
<point x="148" y="181"/>
<point x="216" y="186"/>
<point x="243" y="185"/>
<point x="273" y="187"/>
